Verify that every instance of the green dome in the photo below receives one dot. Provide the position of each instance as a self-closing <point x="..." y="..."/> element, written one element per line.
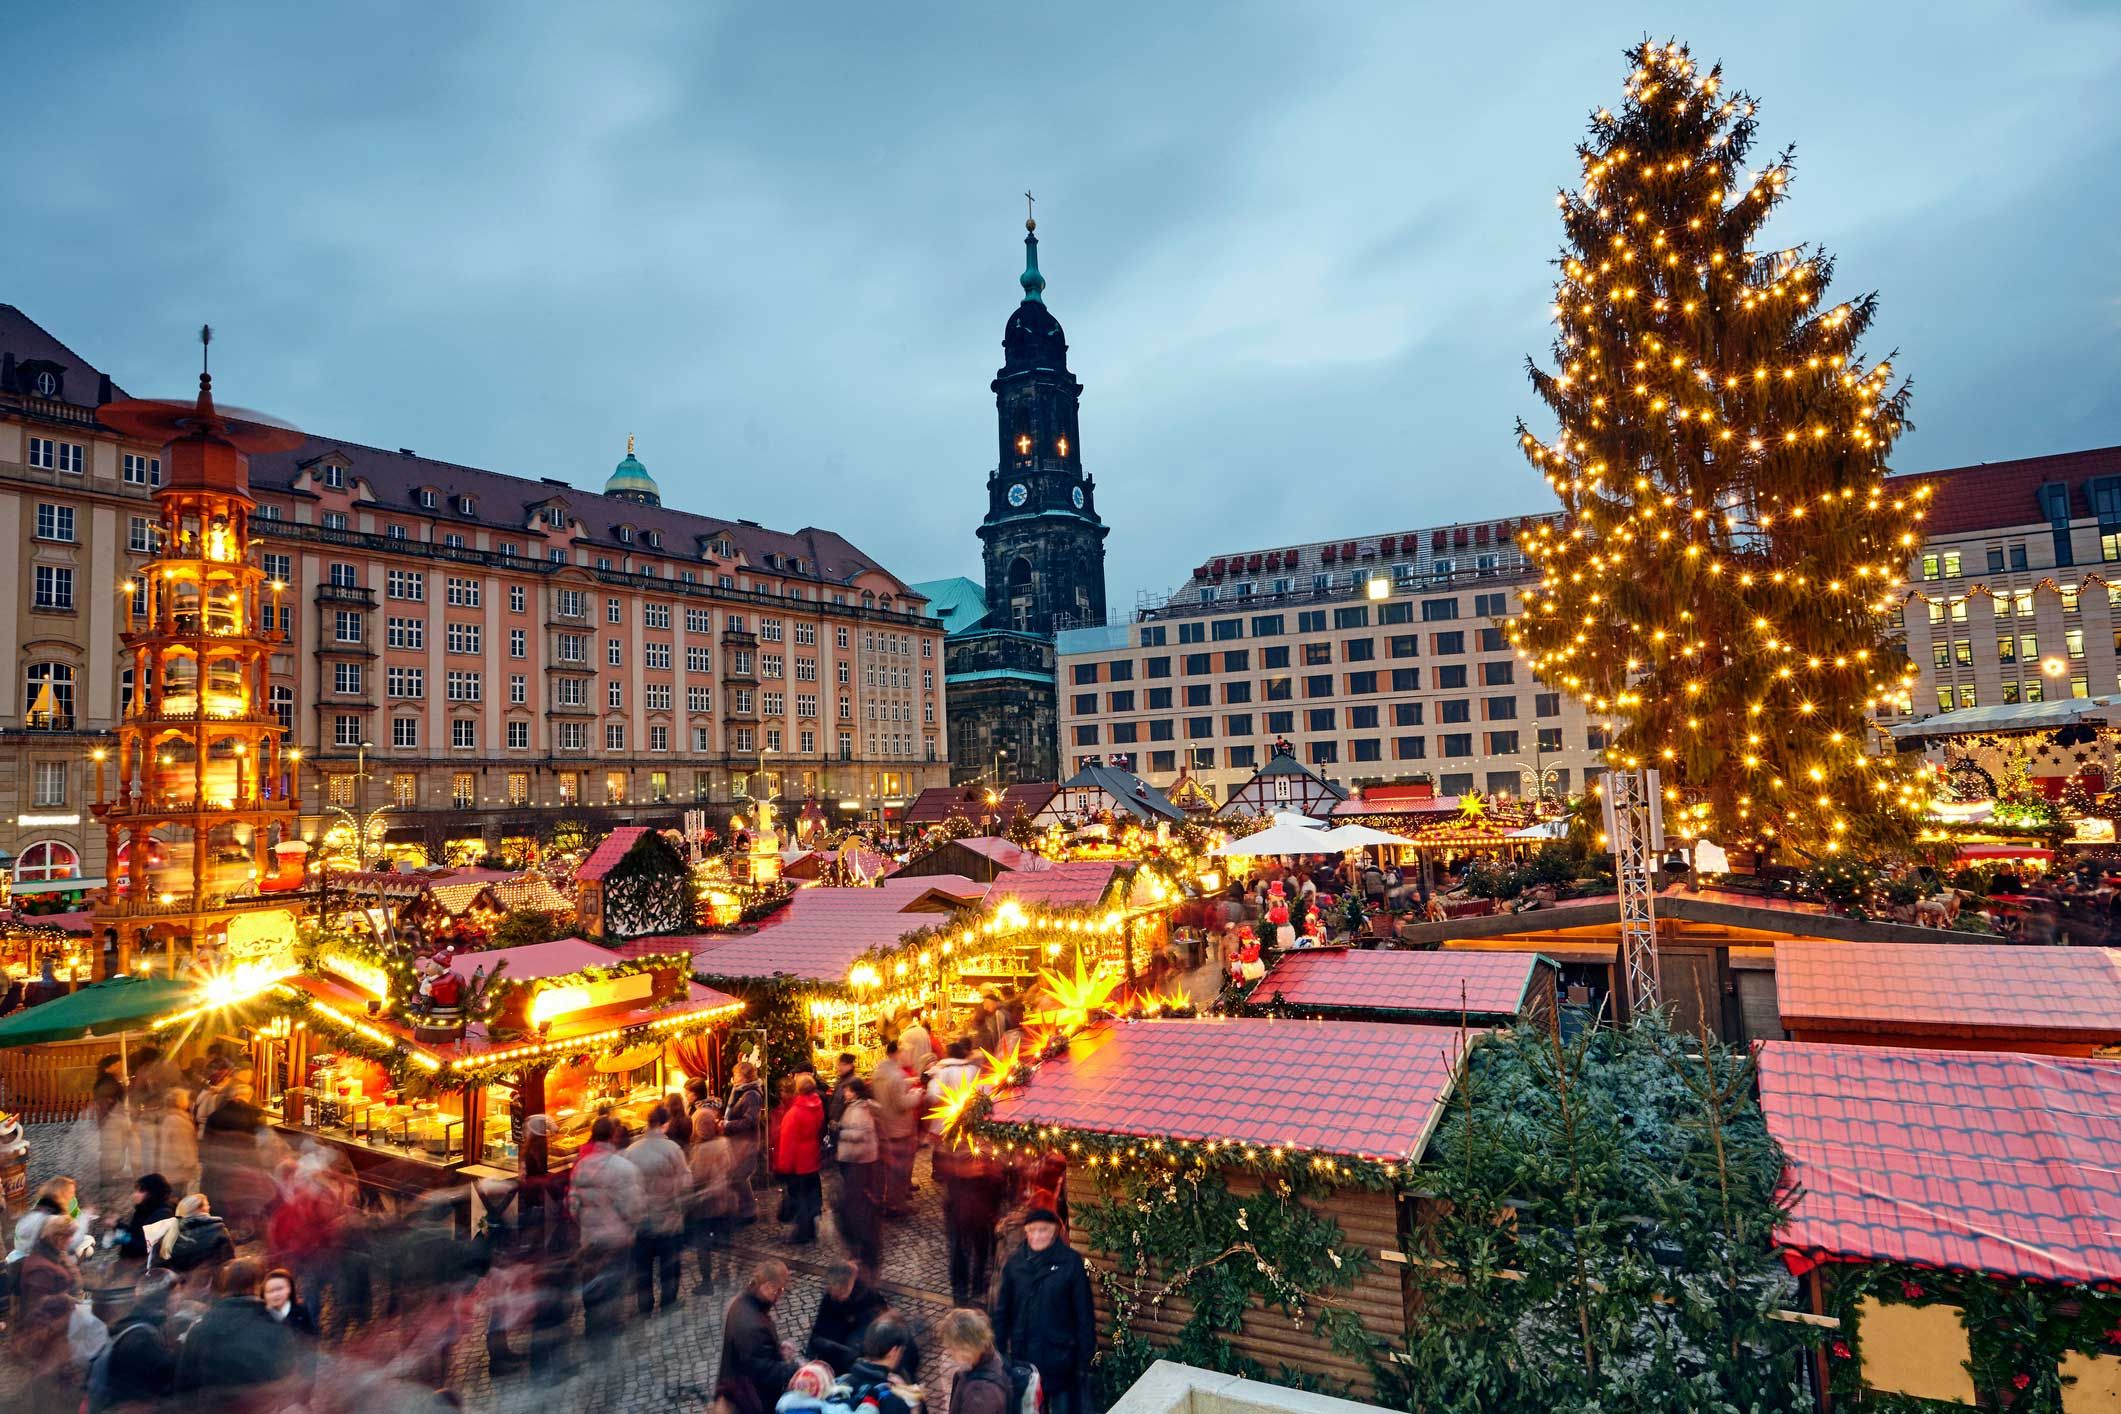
<point x="631" y="480"/>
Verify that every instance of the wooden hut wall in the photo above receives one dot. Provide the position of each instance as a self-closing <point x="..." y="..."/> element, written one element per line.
<point x="1541" y="1004"/>
<point x="1368" y="1220"/>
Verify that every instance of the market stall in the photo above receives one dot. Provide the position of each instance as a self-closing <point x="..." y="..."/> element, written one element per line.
<point x="1437" y="988"/>
<point x="419" y="1073"/>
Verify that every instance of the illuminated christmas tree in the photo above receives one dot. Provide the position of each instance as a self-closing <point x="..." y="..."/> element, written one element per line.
<point x="1721" y="580"/>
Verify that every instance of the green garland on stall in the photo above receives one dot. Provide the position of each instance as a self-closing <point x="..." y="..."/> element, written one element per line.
<point x="1181" y="1234"/>
<point x="678" y="962"/>
<point x="781" y="1005"/>
<point x="337" y="1040"/>
<point x="2017" y="1333"/>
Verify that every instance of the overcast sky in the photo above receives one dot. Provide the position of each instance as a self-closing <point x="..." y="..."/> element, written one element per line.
<point x="1301" y="250"/>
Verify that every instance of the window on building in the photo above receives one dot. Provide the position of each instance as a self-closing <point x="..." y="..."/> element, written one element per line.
<point x="48" y="696"/>
<point x="54" y="587"/>
<point x="464" y="734"/>
<point x="1324" y="753"/>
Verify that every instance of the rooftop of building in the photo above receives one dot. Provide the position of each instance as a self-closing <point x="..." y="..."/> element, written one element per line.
<point x="960" y="603"/>
<point x="1980" y="1161"/>
<point x="2001" y="495"/>
<point x="500" y="502"/>
<point x="24" y="340"/>
<point x="1970" y="990"/>
<point x="1250" y="1081"/>
<point x="1480" y="986"/>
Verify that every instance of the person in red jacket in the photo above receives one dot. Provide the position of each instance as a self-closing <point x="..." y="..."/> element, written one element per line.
<point x="798" y="1152"/>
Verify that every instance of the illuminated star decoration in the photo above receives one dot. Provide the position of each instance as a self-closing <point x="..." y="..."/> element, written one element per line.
<point x="1075" y="998"/>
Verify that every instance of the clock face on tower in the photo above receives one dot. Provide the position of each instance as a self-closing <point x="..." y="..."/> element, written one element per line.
<point x="1018" y="494"/>
<point x="1077" y="495"/>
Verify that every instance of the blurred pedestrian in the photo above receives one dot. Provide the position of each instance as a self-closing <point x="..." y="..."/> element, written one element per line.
<point x="972" y="1203"/>
<point x="798" y="1154"/>
<point x="898" y="1103"/>
<point x="982" y="1383"/>
<point x="605" y="1198"/>
<point x="138" y="1367"/>
<point x="666" y="1192"/>
<point x="236" y="1345"/>
<point x="756" y="1363"/>
<point x="859" y="1152"/>
<point x="165" y="1142"/>
<point x="712" y="1163"/>
<point x="197" y="1239"/>
<point x="743" y="1120"/>
<point x="845" y="1309"/>
<point x="150" y="1204"/>
<point x="283" y="1302"/>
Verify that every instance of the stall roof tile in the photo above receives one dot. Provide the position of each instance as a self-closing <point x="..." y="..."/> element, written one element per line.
<point x="1481" y="984"/>
<point x="1982" y="1161"/>
<point x="1077" y="882"/>
<point x="1357" y="1089"/>
<point x="2026" y="992"/>
<point x="610" y="852"/>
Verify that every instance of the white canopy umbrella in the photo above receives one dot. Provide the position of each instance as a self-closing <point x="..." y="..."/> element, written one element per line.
<point x="1357" y="836"/>
<point x="1289" y="834"/>
<point x="1544" y="830"/>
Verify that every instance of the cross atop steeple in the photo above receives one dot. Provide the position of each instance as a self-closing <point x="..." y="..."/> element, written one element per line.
<point x="1030" y="223"/>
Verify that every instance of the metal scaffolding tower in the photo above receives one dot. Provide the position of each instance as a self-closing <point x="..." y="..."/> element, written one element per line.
<point x="1634" y="821"/>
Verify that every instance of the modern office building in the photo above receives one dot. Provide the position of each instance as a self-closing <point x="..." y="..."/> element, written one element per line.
<point x="2016" y="596"/>
<point x="1377" y="659"/>
<point x="481" y="653"/>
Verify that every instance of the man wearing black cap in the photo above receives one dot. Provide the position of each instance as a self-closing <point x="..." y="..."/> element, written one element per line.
<point x="1043" y="1314"/>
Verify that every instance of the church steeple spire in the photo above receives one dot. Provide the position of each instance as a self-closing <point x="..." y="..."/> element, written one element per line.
<point x="1034" y="283"/>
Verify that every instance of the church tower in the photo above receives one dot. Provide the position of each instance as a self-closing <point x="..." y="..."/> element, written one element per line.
<point x="1044" y="544"/>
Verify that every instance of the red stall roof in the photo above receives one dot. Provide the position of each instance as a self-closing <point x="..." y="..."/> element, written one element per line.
<point x="1067" y="884"/>
<point x="820" y="932"/>
<point x="1982" y="1161"/>
<point x="1357" y="1089"/>
<point x="610" y="852"/>
<point x="1964" y="989"/>
<point x="1481" y="984"/>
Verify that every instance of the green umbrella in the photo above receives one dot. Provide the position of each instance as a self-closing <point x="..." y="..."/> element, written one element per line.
<point x="99" y="1009"/>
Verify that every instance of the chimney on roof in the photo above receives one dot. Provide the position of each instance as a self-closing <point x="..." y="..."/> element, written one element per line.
<point x="7" y="373"/>
<point x="406" y="452"/>
<point x="104" y="391"/>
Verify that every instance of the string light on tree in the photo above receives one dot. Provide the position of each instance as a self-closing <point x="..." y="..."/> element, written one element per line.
<point x="1731" y="548"/>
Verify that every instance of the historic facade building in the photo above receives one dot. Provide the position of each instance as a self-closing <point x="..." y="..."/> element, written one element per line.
<point x="482" y="654"/>
<point x="1043" y="555"/>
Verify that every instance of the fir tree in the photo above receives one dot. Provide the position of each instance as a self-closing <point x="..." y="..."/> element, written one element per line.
<point x="1729" y="551"/>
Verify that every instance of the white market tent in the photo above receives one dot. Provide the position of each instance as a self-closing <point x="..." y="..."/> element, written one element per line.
<point x="1357" y="836"/>
<point x="1289" y="834"/>
<point x="2013" y="717"/>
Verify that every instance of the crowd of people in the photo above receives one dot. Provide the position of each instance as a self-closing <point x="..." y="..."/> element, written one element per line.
<point x="199" y="1256"/>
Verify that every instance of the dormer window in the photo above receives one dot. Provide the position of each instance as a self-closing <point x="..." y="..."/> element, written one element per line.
<point x="426" y="498"/>
<point x="467" y="506"/>
<point x="625" y="535"/>
<point x="554" y="516"/>
<point x="334" y="476"/>
<point x="654" y="538"/>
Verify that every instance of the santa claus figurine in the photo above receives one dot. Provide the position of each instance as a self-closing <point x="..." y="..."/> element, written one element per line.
<point x="1245" y="965"/>
<point x="1278" y="915"/>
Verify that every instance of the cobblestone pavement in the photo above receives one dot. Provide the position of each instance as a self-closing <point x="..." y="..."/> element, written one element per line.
<point x="654" y="1359"/>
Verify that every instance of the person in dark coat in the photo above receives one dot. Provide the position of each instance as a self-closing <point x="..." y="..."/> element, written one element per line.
<point x="981" y="1385"/>
<point x="236" y="1344"/>
<point x="743" y="1124"/>
<point x="138" y="1368"/>
<point x="151" y="1204"/>
<point x="284" y="1303"/>
<point x="1043" y="1313"/>
<point x="888" y="1361"/>
<point x="843" y="1313"/>
<point x="756" y="1363"/>
<point x="972" y="1203"/>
